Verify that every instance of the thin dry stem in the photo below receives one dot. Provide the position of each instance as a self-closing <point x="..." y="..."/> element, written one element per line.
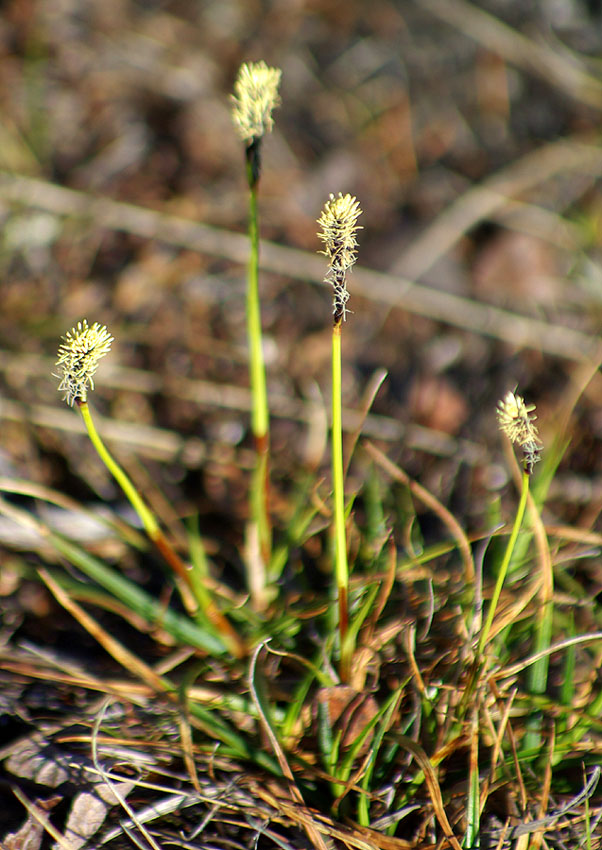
<point x="312" y="833"/>
<point x="536" y="168"/>
<point x="123" y="656"/>
<point x="553" y="66"/>
<point x="40" y="816"/>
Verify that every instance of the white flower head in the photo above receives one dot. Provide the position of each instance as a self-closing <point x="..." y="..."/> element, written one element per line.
<point x="516" y="419"/>
<point x="255" y="97"/>
<point x="78" y="357"/>
<point x="338" y="227"/>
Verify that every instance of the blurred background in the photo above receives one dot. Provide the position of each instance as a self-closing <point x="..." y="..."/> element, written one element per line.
<point x="468" y="131"/>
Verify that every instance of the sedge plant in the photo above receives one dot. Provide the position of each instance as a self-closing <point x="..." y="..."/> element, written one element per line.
<point x="254" y="99"/>
<point x="377" y="742"/>
<point x="79" y="354"/>
<point x="516" y="421"/>
<point x="338" y="228"/>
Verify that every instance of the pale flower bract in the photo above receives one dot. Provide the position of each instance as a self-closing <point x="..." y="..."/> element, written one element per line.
<point x="78" y="357"/>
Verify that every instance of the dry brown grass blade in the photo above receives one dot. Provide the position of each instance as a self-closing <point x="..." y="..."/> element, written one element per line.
<point x="492" y="195"/>
<point x="40" y="816"/>
<point x="409" y="642"/>
<point x="132" y="691"/>
<point x="495" y="35"/>
<point x="115" y="792"/>
<point x="116" y="650"/>
<point x="498" y="737"/>
<point x="564" y="156"/>
<point x="537" y="838"/>
<point x="514" y="748"/>
<point x="360" y="838"/>
<point x="433" y="787"/>
<point x="567" y="534"/>
<point x="39" y="491"/>
<point x="156" y="443"/>
<point x="383" y="593"/>
<point x="370" y="393"/>
<point x="431" y="502"/>
<point x="187" y="751"/>
<point x="509" y="611"/>
<point x="512" y="669"/>
<point x="312" y="832"/>
<point x="161" y="444"/>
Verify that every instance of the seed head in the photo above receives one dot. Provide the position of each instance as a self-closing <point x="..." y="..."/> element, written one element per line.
<point x="516" y="421"/>
<point x="338" y="226"/>
<point x="78" y="358"/>
<point x="255" y="96"/>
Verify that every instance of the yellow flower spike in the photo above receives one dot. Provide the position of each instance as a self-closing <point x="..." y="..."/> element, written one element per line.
<point x="78" y="358"/>
<point x="516" y="420"/>
<point x="338" y="226"/>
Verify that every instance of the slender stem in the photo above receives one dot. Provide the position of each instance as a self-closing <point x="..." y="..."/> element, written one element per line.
<point x="151" y="526"/>
<point x="260" y="411"/>
<point x="341" y="566"/>
<point x="259" y="414"/>
<point x="259" y="499"/>
<point x="505" y="563"/>
<point x="537" y="676"/>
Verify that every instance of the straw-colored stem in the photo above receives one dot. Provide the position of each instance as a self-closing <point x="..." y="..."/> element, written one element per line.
<point x="341" y="566"/>
<point x="505" y="563"/>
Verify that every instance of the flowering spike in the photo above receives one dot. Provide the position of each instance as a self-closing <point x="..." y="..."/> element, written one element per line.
<point x="516" y="420"/>
<point x="78" y="358"/>
<point x="255" y="96"/>
<point x="338" y="226"/>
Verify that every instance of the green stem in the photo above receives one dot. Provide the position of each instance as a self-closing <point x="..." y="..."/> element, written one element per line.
<point x="341" y="566"/>
<point x="260" y="410"/>
<point x="151" y="526"/>
<point x="259" y="501"/>
<point x="259" y="414"/>
<point x="505" y="563"/>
